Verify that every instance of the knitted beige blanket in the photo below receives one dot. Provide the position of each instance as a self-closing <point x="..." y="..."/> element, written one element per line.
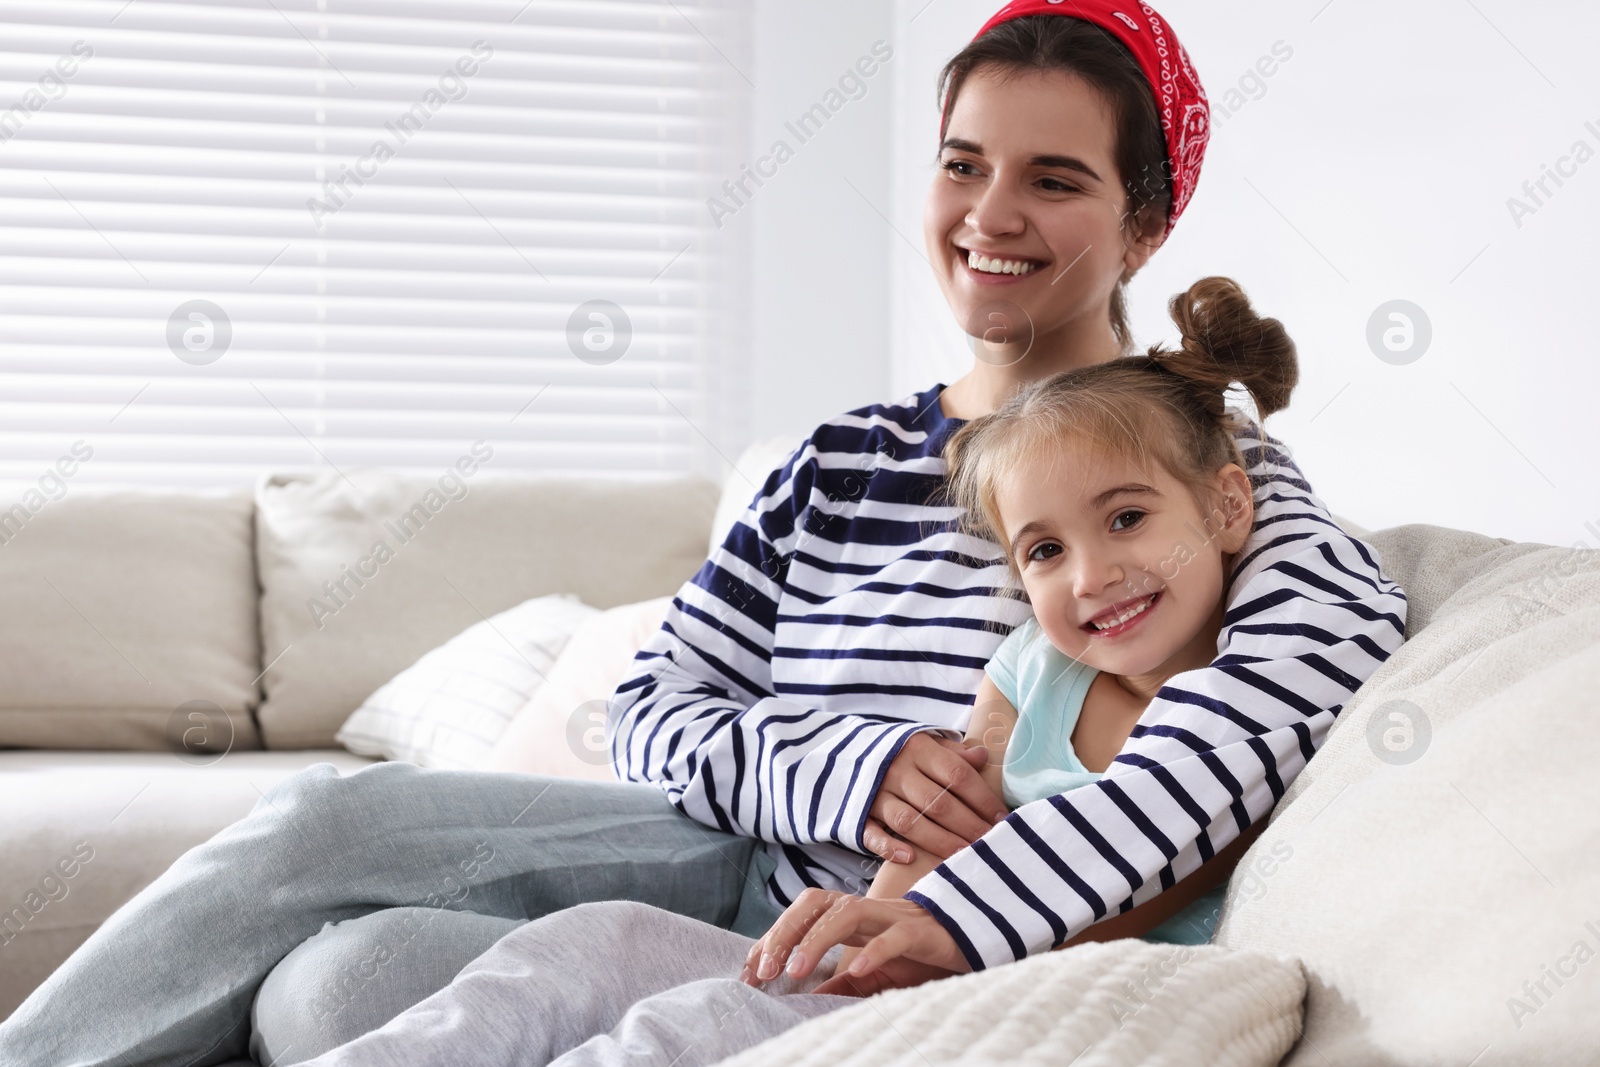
<point x="1101" y="1004"/>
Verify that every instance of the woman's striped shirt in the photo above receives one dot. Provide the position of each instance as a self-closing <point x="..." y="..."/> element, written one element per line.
<point x="844" y="612"/>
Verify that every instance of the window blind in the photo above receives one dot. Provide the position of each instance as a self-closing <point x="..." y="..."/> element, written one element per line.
<point x="287" y="234"/>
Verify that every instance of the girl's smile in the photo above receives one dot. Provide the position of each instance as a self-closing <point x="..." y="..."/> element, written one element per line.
<point x="1122" y="618"/>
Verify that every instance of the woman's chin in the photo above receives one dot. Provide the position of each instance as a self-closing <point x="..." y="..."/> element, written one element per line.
<point x="999" y="331"/>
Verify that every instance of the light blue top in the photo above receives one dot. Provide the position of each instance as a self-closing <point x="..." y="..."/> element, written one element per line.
<point x="1048" y="687"/>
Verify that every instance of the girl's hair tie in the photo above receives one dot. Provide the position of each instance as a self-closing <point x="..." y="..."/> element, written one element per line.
<point x="1181" y="100"/>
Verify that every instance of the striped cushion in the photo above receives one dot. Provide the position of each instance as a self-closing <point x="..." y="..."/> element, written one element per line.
<point x="450" y="707"/>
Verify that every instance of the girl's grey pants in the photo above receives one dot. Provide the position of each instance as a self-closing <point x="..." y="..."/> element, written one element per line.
<point x="600" y="985"/>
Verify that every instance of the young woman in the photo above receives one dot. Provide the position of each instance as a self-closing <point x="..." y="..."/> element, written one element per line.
<point x="794" y="691"/>
<point x="809" y="689"/>
<point x="806" y="682"/>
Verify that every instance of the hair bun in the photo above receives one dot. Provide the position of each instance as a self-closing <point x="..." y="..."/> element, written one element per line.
<point x="1225" y="342"/>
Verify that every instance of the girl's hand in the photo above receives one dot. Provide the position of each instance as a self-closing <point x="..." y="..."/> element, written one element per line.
<point x="819" y="919"/>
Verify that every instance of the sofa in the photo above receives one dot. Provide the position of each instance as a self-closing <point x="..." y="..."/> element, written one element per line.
<point x="167" y="657"/>
<point x="1425" y="892"/>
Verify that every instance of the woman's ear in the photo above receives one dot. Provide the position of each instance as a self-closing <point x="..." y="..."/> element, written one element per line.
<point x="1142" y="237"/>
<point x="1237" y="501"/>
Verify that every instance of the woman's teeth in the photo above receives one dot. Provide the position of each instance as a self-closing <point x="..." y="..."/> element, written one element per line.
<point x="978" y="261"/>
<point x="1125" y="616"/>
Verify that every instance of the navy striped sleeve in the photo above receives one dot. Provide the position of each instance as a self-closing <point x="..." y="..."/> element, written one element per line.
<point x="703" y="718"/>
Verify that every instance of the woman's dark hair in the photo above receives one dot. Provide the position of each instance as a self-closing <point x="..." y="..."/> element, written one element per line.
<point x="1165" y="408"/>
<point x="1054" y="42"/>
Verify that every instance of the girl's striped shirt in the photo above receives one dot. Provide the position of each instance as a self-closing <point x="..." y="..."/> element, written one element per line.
<point x="844" y="612"/>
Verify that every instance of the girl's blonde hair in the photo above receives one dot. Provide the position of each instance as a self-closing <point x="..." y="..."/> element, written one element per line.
<point x="1166" y="407"/>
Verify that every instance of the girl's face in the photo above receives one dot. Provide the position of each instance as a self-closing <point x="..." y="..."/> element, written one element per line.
<point x="1028" y="179"/>
<point x="1098" y="540"/>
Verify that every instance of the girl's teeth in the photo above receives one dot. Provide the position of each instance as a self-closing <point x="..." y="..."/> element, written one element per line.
<point x="1124" y="617"/>
<point x="999" y="266"/>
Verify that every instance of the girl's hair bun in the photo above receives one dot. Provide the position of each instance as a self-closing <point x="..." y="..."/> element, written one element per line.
<point x="1225" y="342"/>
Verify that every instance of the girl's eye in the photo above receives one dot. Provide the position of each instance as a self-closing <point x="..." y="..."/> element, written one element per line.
<point x="1044" y="550"/>
<point x="955" y="166"/>
<point x="1056" y="185"/>
<point x="1138" y="516"/>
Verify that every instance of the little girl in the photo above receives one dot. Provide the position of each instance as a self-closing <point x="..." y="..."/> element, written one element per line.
<point x="1121" y="499"/>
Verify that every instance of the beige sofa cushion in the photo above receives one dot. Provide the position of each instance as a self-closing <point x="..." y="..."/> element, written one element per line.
<point x="121" y="606"/>
<point x="435" y="562"/>
<point x="83" y="832"/>
<point x="1438" y="853"/>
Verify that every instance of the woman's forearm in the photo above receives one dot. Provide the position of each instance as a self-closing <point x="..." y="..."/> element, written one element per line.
<point x="1158" y="909"/>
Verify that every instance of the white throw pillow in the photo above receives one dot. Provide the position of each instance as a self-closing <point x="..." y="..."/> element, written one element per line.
<point x="450" y="708"/>
<point x="745" y="480"/>
<point x="561" y="731"/>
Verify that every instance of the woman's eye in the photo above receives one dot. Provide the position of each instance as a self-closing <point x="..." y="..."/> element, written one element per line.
<point x="1043" y="551"/>
<point x="1138" y="516"/>
<point x="955" y="166"/>
<point x="1056" y="185"/>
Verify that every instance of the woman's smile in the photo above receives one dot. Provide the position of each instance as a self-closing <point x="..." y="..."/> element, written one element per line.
<point x="997" y="268"/>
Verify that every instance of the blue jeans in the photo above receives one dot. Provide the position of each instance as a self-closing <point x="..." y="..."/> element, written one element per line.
<point x="169" y="980"/>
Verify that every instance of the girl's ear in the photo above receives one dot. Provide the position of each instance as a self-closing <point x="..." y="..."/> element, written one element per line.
<point x="1237" y="500"/>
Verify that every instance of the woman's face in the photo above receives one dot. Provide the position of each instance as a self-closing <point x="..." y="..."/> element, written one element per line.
<point x="1028" y="178"/>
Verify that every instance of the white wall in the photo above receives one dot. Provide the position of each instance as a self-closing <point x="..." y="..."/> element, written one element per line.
<point x="1375" y="165"/>
<point x="818" y="285"/>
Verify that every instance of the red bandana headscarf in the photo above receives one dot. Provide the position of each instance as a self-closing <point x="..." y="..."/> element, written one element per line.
<point x="1185" y="114"/>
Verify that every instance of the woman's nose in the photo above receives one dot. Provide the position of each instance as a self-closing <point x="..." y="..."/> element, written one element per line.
<point x="997" y="211"/>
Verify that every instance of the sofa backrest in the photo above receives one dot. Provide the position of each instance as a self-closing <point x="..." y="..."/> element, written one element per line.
<point x="361" y="576"/>
<point x="130" y="612"/>
<point x="120" y="607"/>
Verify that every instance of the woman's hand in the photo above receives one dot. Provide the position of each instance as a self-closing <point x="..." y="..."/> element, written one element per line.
<point x="932" y="797"/>
<point x="887" y="930"/>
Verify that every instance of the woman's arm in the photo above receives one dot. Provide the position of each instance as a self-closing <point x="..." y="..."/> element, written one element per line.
<point x="1157" y="910"/>
<point x="993" y="720"/>
<point x="922" y="949"/>
<point x="699" y="700"/>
